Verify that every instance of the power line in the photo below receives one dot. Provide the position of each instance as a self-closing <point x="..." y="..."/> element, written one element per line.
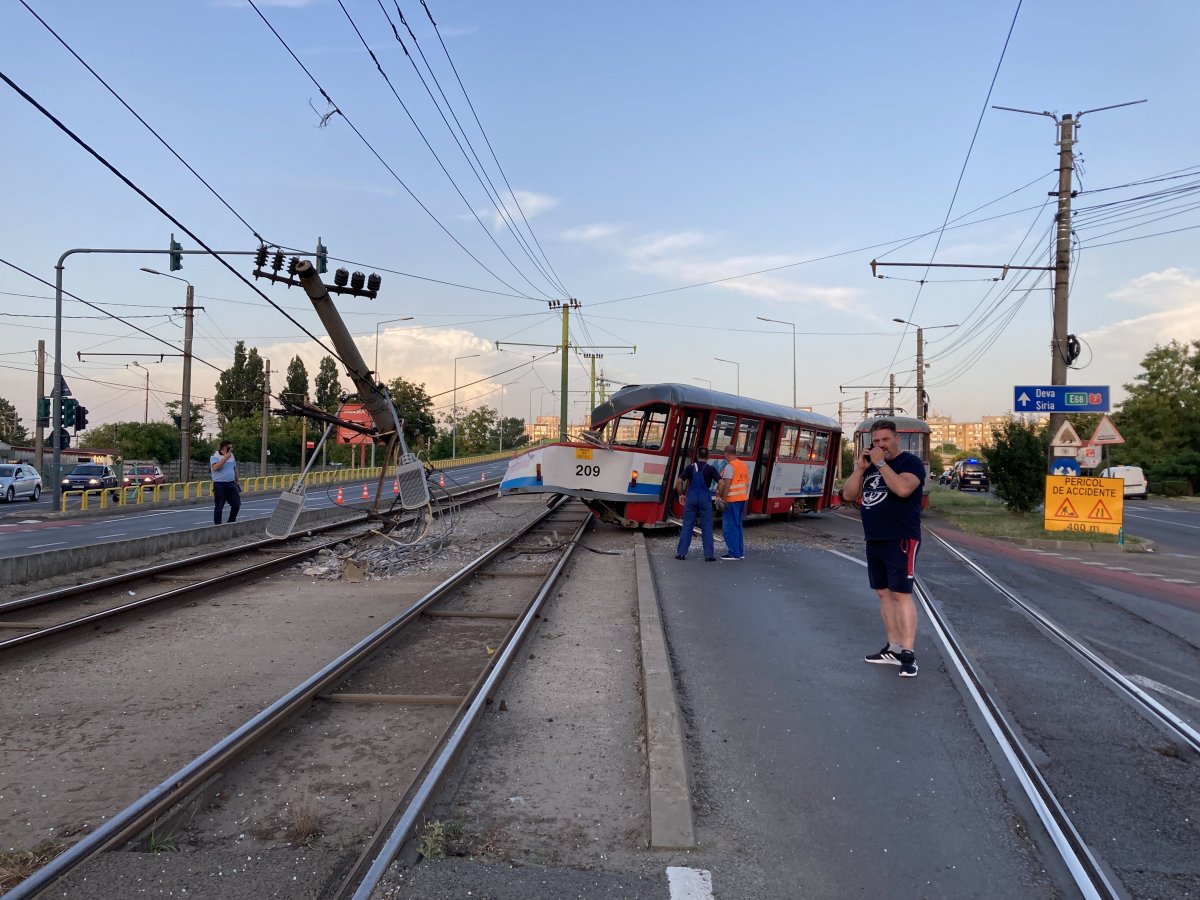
<point x="335" y="109"/>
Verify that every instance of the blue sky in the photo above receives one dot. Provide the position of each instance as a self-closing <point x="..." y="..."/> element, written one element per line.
<point x="651" y="147"/>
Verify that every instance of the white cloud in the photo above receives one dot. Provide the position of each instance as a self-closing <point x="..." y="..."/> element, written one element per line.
<point x="1173" y="294"/>
<point x="515" y="204"/>
<point x="586" y="234"/>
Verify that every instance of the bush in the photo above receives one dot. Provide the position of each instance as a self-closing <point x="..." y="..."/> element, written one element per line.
<point x="1017" y="464"/>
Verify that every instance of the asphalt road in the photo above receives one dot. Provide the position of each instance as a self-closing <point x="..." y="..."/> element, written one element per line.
<point x="24" y="527"/>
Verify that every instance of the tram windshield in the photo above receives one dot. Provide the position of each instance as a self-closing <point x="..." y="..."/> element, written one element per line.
<point x="643" y="428"/>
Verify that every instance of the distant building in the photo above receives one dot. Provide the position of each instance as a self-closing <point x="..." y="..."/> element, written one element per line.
<point x="967" y="435"/>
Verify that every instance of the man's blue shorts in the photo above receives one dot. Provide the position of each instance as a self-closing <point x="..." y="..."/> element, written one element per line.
<point x="892" y="564"/>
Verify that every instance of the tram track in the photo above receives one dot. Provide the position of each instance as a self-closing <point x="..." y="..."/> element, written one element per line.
<point x="353" y="692"/>
<point x="111" y="592"/>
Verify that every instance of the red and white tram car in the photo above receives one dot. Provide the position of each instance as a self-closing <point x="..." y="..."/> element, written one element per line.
<point x="645" y="435"/>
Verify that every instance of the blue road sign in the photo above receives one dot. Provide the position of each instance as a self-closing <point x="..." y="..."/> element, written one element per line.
<point x="1060" y="398"/>
<point x="1064" y="465"/>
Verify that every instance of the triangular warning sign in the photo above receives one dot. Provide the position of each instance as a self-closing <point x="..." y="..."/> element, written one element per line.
<point x="1106" y="433"/>
<point x="1100" y="512"/>
<point x="1066" y="511"/>
<point x="1066" y="436"/>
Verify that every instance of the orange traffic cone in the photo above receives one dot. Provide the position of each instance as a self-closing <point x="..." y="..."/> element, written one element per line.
<point x="339" y="500"/>
<point x="396" y="486"/>
<point x="441" y="481"/>
<point x="366" y="496"/>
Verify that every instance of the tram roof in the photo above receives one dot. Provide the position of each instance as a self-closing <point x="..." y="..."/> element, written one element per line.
<point x="635" y="396"/>
<point x="903" y="423"/>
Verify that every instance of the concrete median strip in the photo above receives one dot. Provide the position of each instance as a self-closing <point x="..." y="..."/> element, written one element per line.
<point x="671" y="823"/>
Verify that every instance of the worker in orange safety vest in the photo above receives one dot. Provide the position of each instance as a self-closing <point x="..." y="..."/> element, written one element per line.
<point x="733" y="491"/>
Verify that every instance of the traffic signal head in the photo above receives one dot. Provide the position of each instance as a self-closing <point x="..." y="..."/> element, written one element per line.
<point x="176" y="255"/>
<point x="322" y="257"/>
<point x="81" y="415"/>
<point x="43" y="412"/>
<point x="69" y="405"/>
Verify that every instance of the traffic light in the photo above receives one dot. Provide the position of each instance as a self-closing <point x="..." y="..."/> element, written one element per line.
<point x="69" y="405"/>
<point x="81" y="414"/>
<point x="322" y="257"/>
<point x="176" y="255"/>
<point x="43" y="412"/>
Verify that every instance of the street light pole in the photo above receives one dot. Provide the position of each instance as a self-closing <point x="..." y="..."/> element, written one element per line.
<point x="793" y="325"/>
<point x="377" y="324"/>
<point x="454" y="407"/>
<point x="185" y="406"/>
<point x="146" y="412"/>
<point x="921" y="362"/>
<point x="739" y="372"/>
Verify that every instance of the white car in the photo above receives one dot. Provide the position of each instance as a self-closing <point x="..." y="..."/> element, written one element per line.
<point x="1133" y="476"/>
<point x="19" y="480"/>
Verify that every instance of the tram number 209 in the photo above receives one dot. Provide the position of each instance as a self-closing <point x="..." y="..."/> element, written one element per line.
<point x="589" y="471"/>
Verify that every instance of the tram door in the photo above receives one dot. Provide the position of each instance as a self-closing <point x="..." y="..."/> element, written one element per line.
<point x="686" y="441"/>
<point x="762" y="467"/>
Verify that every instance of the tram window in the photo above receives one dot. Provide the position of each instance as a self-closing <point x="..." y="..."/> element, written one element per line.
<point x="724" y="428"/>
<point x="640" y="428"/>
<point x="820" y="447"/>
<point x="804" y="447"/>
<point x="747" y="436"/>
<point x="787" y="443"/>
<point x="913" y="442"/>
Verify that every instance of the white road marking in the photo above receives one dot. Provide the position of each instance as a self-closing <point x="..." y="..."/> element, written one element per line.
<point x="1163" y="521"/>
<point x="1178" y="581"/>
<point x="114" y="534"/>
<point x="1152" y="685"/>
<point x="852" y="559"/>
<point x="54" y="544"/>
<point x="689" y="884"/>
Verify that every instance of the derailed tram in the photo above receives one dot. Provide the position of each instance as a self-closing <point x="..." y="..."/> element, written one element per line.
<point x="644" y="436"/>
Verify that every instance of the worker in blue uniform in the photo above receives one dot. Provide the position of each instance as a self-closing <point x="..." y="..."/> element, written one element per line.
<point x="694" y="483"/>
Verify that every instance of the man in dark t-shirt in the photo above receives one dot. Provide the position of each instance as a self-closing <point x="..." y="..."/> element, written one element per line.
<point x="889" y="482"/>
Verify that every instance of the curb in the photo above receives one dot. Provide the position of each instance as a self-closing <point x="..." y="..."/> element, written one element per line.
<point x="671" y="825"/>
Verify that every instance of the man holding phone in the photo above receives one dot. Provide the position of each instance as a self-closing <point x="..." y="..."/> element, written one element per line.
<point x="225" y="482"/>
<point x="889" y="481"/>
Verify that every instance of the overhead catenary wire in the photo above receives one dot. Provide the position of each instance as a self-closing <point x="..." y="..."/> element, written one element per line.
<point x="481" y="172"/>
<point x="491" y="149"/>
<point x="338" y="111"/>
<point x="387" y="79"/>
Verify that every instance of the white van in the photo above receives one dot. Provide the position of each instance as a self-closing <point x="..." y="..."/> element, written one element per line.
<point x="1133" y="476"/>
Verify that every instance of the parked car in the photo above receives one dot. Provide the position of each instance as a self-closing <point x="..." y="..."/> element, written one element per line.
<point x="1133" y="476"/>
<point x="144" y="475"/>
<point x="91" y="477"/>
<point x="969" y="473"/>
<point x="19" y="480"/>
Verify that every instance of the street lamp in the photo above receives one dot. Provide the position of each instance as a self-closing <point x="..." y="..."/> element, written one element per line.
<point x="793" y="324"/>
<point x="739" y="372"/>
<point x="705" y="380"/>
<point x="921" y="362"/>
<point x="146" y="413"/>
<point x="185" y="407"/>
<point x="454" y="407"/>
<point x="377" y="324"/>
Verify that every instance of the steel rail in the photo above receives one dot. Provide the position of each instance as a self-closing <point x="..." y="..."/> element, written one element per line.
<point x="127" y="823"/>
<point x="382" y="853"/>
<point x="6" y="606"/>
<point x="1156" y="711"/>
<point x="1086" y="871"/>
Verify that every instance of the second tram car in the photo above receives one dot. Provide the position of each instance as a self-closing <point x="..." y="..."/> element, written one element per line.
<point x="644" y="436"/>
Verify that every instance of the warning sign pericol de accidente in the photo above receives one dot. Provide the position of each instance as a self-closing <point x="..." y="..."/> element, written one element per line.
<point x="1083" y="504"/>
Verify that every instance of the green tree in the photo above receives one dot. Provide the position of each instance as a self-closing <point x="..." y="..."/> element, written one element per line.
<point x="513" y="430"/>
<point x="1017" y="464"/>
<point x="295" y="388"/>
<point x="11" y="429"/>
<point x="936" y="463"/>
<point x="157" y="441"/>
<point x="415" y="410"/>
<point x="240" y="387"/>
<point x="328" y="388"/>
<point x="477" y="431"/>
<point x="1160" y="419"/>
